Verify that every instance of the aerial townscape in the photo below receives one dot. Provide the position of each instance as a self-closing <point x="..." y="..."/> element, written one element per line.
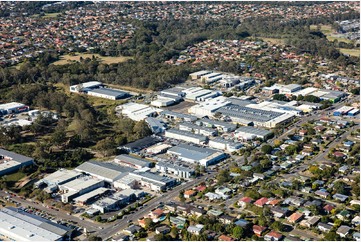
<point x="180" y="121"/>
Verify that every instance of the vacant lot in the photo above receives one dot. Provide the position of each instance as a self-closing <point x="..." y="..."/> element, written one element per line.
<point x="327" y="30"/>
<point x="65" y="59"/>
<point x="351" y="52"/>
<point x="274" y="41"/>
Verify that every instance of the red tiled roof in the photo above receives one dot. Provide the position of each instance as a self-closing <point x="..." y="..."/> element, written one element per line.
<point x="275" y="234"/>
<point x="328" y="207"/>
<point x="294" y="217"/>
<point x="245" y="199"/>
<point x="225" y="238"/>
<point x="260" y="202"/>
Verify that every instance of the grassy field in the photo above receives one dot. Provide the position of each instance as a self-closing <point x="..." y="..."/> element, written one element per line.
<point x="274" y="41"/>
<point x="51" y="15"/>
<point x="327" y="30"/>
<point x="351" y="52"/>
<point x="65" y="59"/>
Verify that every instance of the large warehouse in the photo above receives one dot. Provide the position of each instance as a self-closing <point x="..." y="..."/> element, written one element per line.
<point x="193" y="154"/>
<point x="185" y="136"/>
<point x="249" y="133"/>
<point x="209" y="107"/>
<point x="108" y="93"/>
<point x="223" y="144"/>
<point x="257" y="117"/>
<point x="57" y="178"/>
<point x="131" y="161"/>
<point x="137" y="111"/>
<point x="11" y="162"/>
<point x="17" y="225"/>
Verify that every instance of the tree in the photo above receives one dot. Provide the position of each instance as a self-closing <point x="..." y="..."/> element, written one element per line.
<point x="223" y="177"/>
<point x="147" y="223"/>
<point x="238" y="232"/>
<point x="266" y="149"/>
<point x="332" y="236"/>
<point x="174" y="232"/>
<point x="181" y="195"/>
<point x="291" y="149"/>
<point x="276" y="225"/>
<point x="94" y="238"/>
<point x="340" y="187"/>
<point x="106" y="146"/>
<point x="141" y="129"/>
<point x="58" y="137"/>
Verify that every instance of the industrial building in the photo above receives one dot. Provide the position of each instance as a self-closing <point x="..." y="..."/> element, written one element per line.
<point x="11" y="162"/>
<point x="353" y="112"/>
<point x="108" y="93"/>
<point x="13" y="107"/>
<point x="193" y="154"/>
<point x="220" y="125"/>
<point x="290" y="89"/>
<point x="136" y="111"/>
<point x="342" y="110"/>
<point x="174" y="91"/>
<point x="185" y="136"/>
<point x="249" y="133"/>
<point x="79" y="186"/>
<point x="200" y="94"/>
<point x="177" y="170"/>
<point x="57" y="178"/>
<point x="108" y="172"/>
<point x="277" y="106"/>
<point x="199" y="74"/>
<point x="157" y="126"/>
<point x="131" y="161"/>
<point x="209" y="107"/>
<point x="177" y="116"/>
<point x="91" y="196"/>
<point x="18" y="225"/>
<point x="223" y="144"/>
<point x="158" y="149"/>
<point x="85" y="87"/>
<point x="190" y="127"/>
<point x="248" y="116"/>
<point x="163" y="101"/>
<point x="140" y="144"/>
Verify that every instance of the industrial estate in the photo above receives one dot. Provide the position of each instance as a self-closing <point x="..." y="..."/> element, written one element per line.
<point x="229" y="153"/>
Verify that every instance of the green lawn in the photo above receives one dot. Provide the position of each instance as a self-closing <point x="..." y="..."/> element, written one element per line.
<point x="65" y="59"/>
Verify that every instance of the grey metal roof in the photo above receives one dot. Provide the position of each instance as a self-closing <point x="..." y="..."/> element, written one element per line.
<point x="196" y="127"/>
<point x="240" y="102"/>
<point x="142" y="143"/>
<point x="132" y="160"/>
<point x="106" y="170"/>
<point x="16" y="157"/>
<point x="252" y="130"/>
<point x="224" y="141"/>
<point x="178" y="115"/>
<point x="186" y="133"/>
<point x="192" y="152"/>
<point x="246" y="113"/>
<point x="109" y="92"/>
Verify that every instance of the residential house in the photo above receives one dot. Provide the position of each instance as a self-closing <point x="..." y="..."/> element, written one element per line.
<point x="343" y="231"/>
<point x="214" y="212"/>
<point x="356" y="220"/>
<point x="279" y="212"/>
<point x="224" y="192"/>
<point x="165" y="229"/>
<point x="322" y="193"/>
<point x="226" y="219"/>
<point x="171" y="206"/>
<point x="244" y="201"/>
<point x="273" y="236"/>
<point x="212" y="196"/>
<point x="156" y="213"/>
<point x="242" y="222"/>
<point x="201" y="188"/>
<point x="197" y="211"/>
<point x="195" y="229"/>
<point x="273" y="202"/>
<point x="189" y="193"/>
<point x="356" y="236"/>
<point x="312" y="221"/>
<point x="340" y="197"/>
<point x="328" y="208"/>
<point x="343" y="215"/>
<point x="258" y="230"/>
<point x="261" y="202"/>
<point x="303" y="132"/>
<point x="225" y="238"/>
<point x="295" y="217"/>
<point x="324" y="227"/>
<point x="132" y="229"/>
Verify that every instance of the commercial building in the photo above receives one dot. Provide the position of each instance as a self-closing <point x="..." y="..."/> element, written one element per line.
<point x="131" y="161"/>
<point x="84" y="87"/>
<point x="177" y="170"/>
<point x="209" y="107"/>
<point x="108" y="172"/>
<point x="163" y="101"/>
<point x="342" y="110"/>
<point x="277" y="106"/>
<point x="193" y="154"/>
<point x="11" y="162"/>
<point x="13" y="107"/>
<point x="200" y="94"/>
<point x="211" y="77"/>
<point x="18" y="225"/>
<point x="190" y="127"/>
<point x="57" y="178"/>
<point x="353" y="112"/>
<point x="249" y="133"/>
<point x="116" y="200"/>
<point x="185" y="136"/>
<point x="271" y="90"/>
<point x="248" y="116"/>
<point x="77" y="187"/>
<point x="220" y="125"/>
<point x="136" y="111"/>
<point x="199" y="74"/>
<point x="174" y="91"/>
<point x="223" y="144"/>
<point x="177" y="116"/>
<point x="108" y="93"/>
<point x="289" y="89"/>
